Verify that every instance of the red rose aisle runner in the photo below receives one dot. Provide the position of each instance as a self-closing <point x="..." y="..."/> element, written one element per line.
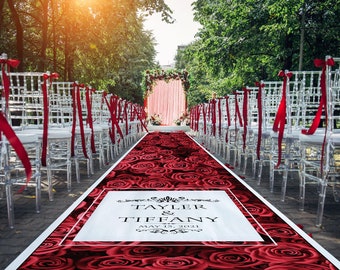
<point x="169" y="205"/>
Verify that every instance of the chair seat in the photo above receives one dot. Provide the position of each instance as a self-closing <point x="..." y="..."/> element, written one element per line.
<point x="289" y="135"/>
<point x="318" y="137"/>
<point x="27" y="138"/>
<point x="265" y="132"/>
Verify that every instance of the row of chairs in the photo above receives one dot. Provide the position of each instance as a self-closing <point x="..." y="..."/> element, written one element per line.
<point x="59" y="125"/>
<point x="291" y="125"/>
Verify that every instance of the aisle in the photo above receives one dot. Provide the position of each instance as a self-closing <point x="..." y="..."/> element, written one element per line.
<point x="168" y="204"/>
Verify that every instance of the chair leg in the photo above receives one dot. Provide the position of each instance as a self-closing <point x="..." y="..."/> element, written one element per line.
<point x="302" y="187"/>
<point x="49" y="183"/>
<point x="10" y="204"/>
<point x="259" y="173"/>
<point x="38" y="193"/>
<point x="321" y="204"/>
<point x="271" y="177"/>
<point x="68" y="176"/>
<point x="284" y="184"/>
<point x="76" y="163"/>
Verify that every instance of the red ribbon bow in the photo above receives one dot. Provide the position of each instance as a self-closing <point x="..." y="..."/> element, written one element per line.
<point x="5" y="65"/>
<point x="10" y="62"/>
<point x="323" y="100"/>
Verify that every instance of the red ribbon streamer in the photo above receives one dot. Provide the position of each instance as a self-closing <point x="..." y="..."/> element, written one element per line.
<point x="198" y="116"/>
<point x="322" y="105"/>
<point x="219" y="118"/>
<point x="89" y="120"/>
<point x="237" y="111"/>
<point x="204" y="119"/>
<point x="46" y="77"/>
<point x="245" y="115"/>
<point x="141" y="116"/>
<point x="228" y="117"/>
<point x="18" y="147"/>
<point x="77" y="107"/>
<point x="280" y="118"/>
<point x="259" y="118"/>
<point x="113" y="106"/>
<point x="213" y="115"/>
<point x="125" y="117"/>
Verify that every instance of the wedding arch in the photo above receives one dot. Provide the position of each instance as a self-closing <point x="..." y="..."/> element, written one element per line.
<point x="165" y="95"/>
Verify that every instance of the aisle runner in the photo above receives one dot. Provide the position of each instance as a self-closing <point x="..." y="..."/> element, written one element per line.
<point x="169" y="205"/>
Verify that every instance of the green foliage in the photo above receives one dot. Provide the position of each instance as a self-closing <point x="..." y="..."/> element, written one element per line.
<point x="150" y="77"/>
<point x="101" y="43"/>
<point x="243" y="41"/>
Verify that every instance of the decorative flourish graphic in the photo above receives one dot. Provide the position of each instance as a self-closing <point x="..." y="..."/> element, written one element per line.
<point x="169" y="231"/>
<point x="168" y="199"/>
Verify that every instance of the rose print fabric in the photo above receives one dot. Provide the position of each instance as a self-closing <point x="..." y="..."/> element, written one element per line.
<point x="173" y="161"/>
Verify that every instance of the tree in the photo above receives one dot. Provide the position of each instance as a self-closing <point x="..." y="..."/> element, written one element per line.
<point x="101" y="43"/>
<point x="243" y="41"/>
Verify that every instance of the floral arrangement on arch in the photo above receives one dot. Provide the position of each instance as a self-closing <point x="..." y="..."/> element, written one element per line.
<point x="155" y="119"/>
<point x="183" y="120"/>
<point x="151" y="76"/>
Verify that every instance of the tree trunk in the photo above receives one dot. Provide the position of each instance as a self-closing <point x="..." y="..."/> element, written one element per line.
<point x="288" y="61"/>
<point x="20" y="35"/>
<point x="68" y="49"/>
<point x="2" y="3"/>
<point x="44" y="38"/>
<point x="302" y="38"/>
<point x="54" y="34"/>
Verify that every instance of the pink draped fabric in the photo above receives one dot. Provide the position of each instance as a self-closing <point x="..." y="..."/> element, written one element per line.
<point x="168" y="100"/>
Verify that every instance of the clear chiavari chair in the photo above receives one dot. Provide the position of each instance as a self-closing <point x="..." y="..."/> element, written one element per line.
<point x="13" y="173"/>
<point x="226" y="123"/>
<point x="114" y="107"/>
<point x="203" y="130"/>
<point x="320" y="141"/>
<point x="31" y="114"/>
<point x="73" y="113"/>
<point x="221" y="126"/>
<point x="90" y="120"/>
<point x="206" y="131"/>
<point x="101" y="119"/>
<point x="136" y="123"/>
<point x="247" y="138"/>
<point x="285" y="153"/>
<point x="212" y="124"/>
<point x="235" y="130"/>
<point x="270" y="99"/>
<point x="19" y="154"/>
